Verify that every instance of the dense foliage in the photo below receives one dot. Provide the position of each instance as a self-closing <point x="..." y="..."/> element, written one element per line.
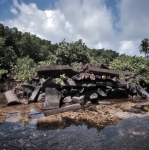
<point x="14" y="44"/>
<point x="68" y="53"/>
<point x="131" y="64"/>
<point x="24" y="50"/>
<point x="25" y="68"/>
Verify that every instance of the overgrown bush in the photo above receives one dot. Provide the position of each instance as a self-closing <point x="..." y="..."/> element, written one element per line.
<point x="25" y="69"/>
<point x="131" y="64"/>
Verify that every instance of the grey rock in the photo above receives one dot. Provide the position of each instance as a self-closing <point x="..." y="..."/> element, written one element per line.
<point x="67" y="99"/>
<point x="80" y="99"/>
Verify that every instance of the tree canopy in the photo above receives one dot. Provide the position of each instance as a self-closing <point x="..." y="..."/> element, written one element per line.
<point x="14" y="44"/>
<point x="144" y="46"/>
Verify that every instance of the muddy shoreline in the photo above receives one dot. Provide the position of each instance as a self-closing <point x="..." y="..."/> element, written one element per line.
<point x="94" y="116"/>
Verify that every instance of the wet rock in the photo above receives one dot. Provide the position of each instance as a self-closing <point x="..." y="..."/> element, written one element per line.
<point x="132" y="110"/>
<point x="104" y="103"/>
<point x="139" y="106"/>
<point x="73" y="107"/>
<point x="36" y="115"/>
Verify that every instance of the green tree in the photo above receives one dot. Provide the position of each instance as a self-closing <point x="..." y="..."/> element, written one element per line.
<point x="26" y="68"/>
<point x="7" y="55"/>
<point x="68" y="53"/>
<point x="144" y="46"/>
<point x="131" y="64"/>
<point x="1" y="30"/>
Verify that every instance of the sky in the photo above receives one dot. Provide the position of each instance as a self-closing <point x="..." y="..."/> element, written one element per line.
<point x="119" y="25"/>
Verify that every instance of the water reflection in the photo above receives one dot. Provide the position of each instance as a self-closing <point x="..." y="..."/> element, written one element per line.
<point x="127" y="134"/>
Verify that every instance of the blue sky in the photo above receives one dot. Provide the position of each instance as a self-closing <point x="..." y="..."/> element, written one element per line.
<point x="119" y="25"/>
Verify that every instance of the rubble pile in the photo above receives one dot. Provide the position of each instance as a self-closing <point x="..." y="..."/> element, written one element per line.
<point x="64" y="88"/>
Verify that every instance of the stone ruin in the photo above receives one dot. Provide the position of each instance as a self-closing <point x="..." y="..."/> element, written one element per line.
<point x="63" y="88"/>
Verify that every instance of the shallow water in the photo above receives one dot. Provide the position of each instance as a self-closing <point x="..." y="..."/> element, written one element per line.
<point x="132" y="133"/>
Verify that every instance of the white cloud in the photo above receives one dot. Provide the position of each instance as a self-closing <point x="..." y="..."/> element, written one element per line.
<point x="89" y="20"/>
<point x="127" y="45"/>
<point x="14" y="11"/>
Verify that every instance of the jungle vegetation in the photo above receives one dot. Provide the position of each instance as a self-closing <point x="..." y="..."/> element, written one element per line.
<point x="25" y="50"/>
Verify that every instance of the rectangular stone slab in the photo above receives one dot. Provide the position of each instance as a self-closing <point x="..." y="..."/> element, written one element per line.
<point x="73" y="107"/>
<point x="91" y="68"/>
<point x="11" y="98"/>
<point x="140" y="90"/>
<point x="35" y="94"/>
<point x="55" y="71"/>
<point x="78" y="84"/>
<point x="112" y="84"/>
<point x="52" y="98"/>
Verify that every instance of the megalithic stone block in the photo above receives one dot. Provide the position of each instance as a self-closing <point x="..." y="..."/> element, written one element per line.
<point x="52" y="98"/>
<point x="49" y="83"/>
<point x="111" y="84"/>
<point x="11" y="98"/>
<point x="35" y="94"/>
<point x="101" y="92"/>
<point x="55" y="71"/>
<point x="141" y="91"/>
<point x="78" y="84"/>
<point x="73" y="107"/>
<point x="91" y="68"/>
